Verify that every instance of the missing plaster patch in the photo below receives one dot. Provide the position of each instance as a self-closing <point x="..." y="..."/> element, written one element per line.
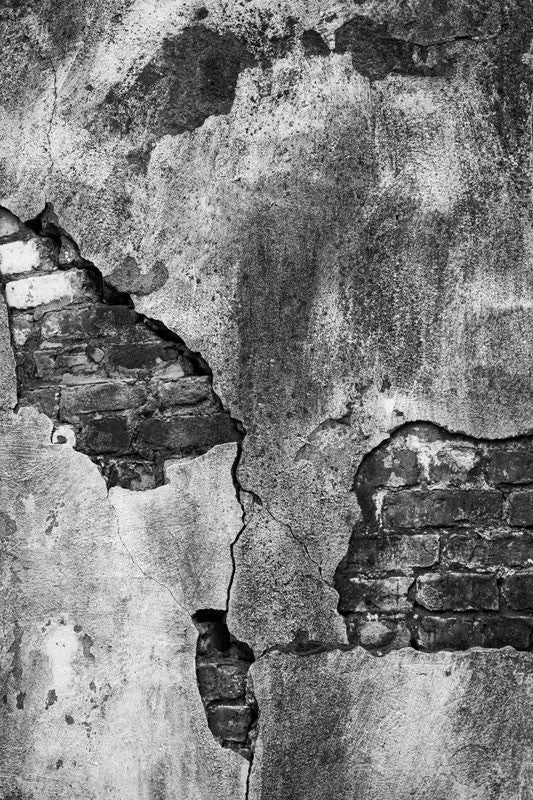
<point x="222" y="665"/>
<point x="121" y="387"/>
<point x="443" y="558"/>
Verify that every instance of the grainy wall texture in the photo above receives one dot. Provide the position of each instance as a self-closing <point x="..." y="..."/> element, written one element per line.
<point x="266" y="400"/>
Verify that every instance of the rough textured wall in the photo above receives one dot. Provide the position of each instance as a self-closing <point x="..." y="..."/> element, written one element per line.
<point x="330" y="204"/>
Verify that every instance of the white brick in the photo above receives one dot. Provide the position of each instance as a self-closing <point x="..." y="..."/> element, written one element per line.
<point x="16" y="257"/>
<point x="41" y="290"/>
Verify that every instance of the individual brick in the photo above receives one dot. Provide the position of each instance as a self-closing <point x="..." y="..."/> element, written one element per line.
<point x="108" y="434"/>
<point x="510" y="465"/>
<point x="45" y="399"/>
<point x="372" y="595"/>
<point x="521" y="508"/>
<point x="454" y="464"/>
<point x="518" y="590"/>
<point x="187" y="434"/>
<point x="230" y="722"/>
<point x="457" y="591"/>
<point x="107" y="323"/>
<point x="460" y="633"/>
<point x="377" y="634"/>
<point x="134" y="356"/>
<point x="445" y="633"/>
<point x="496" y="631"/>
<point x="501" y="550"/>
<point x="390" y="467"/>
<point x="222" y="681"/>
<point x="112" y="396"/>
<point x="56" y="287"/>
<point x="415" y="508"/>
<point x="373" y="555"/>
<point x="186" y="391"/>
<point x="19" y="257"/>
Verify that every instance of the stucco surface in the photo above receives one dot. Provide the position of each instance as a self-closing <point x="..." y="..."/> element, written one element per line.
<point x="348" y="245"/>
<point x="407" y="725"/>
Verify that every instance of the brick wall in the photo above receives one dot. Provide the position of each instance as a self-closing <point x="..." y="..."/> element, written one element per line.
<point x="444" y="556"/>
<point x="121" y="387"/>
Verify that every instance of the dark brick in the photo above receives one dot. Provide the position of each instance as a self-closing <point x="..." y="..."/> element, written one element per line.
<point x="518" y="590"/>
<point x="134" y="356"/>
<point x="373" y="555"/>
<point x="448" y="633"/>
<point x="503" y="632"/>
<point x="472" y="551"/>
<point x="460" y="633"/>
<point x="390" y="467"/>
<point x="187" y="391"/>
<point x="454" y="464"/>
<point x="457" y="591"/>
<point x="372" y="595"/>
<point x="521" y="508"/>
<point x="187" y="434"/>
<point x="108" y="434"/>
<point x="44" y="399"/>
<point x="112" y="396"/>
<point x="414" y="508"/>
<point x="231" y="722"/>
<point x="376" y="634"/>
<point x="222" y="681"/>
<point x="510" y="465"/>
<point x="106" y="322"/>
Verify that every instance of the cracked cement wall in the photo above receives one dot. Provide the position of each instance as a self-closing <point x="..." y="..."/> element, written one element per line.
<point x="340" y="223"/>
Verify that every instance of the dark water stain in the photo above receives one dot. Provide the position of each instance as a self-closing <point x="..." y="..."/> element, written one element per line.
<point x="87" y="643"/>
<point x="14" y="649"/>
<point x="191" y="77"/>
<point x="313" y="44"/>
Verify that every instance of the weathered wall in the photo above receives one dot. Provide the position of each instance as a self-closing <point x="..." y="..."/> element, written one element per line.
<point x="330" y="202"/>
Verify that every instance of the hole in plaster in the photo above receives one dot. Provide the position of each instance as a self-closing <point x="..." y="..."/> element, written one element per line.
<point x="443" y="557"/>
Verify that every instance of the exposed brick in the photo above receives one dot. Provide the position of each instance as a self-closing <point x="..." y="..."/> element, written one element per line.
<point x="415" y="508"/>
<point x="392" y="467"/>
<point x="454" y="464"/>
<point x="448" y="633"/>
<point x="383" y="594"/>
<point x="510" y="465"/>
<point x="394" y="552"/>
<point x="222" y="681"/>
<point x="129" y="472"/>
<point x="186" y="391"/>
<point x="230" y="722"/>
<point x="19" y="257"/>
<point x="503" y="632"/>
<point x="57" y="287"/>
<point x="377" y="633"/>
<point x="521" y="508"/>
<point x="134" y="356"/>
<point x="457" y="591"/>
<point x="518" y="590"/>
<point x="186" y="434"/>
<point x="113" y="396"/>
<point x="44" y="399"/>
<point x="460" y="633"/>
<point x="110" y="323"/>
<point x="472" y="551"/>
<point x="108" y="434"/>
